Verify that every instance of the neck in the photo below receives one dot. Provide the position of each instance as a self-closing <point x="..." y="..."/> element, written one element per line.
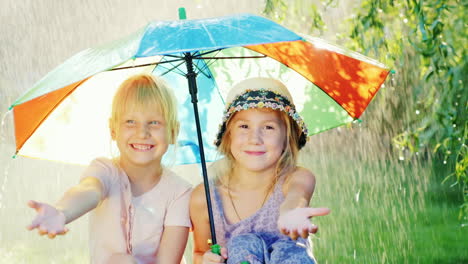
<point x="142" y="178"/>
<point x="251" y="180"/>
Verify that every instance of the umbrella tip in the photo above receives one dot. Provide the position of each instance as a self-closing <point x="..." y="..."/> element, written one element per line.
<point x="182" y="14"/>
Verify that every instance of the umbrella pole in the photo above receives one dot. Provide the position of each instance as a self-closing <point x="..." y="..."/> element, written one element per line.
<point x="192" y="83"/>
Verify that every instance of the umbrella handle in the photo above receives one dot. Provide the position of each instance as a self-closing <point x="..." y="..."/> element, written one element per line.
<point x="216" y="248"/>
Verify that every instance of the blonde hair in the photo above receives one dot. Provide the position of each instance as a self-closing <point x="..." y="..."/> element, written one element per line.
<point x="149" y="92"/>
<point x="286" y="164"/>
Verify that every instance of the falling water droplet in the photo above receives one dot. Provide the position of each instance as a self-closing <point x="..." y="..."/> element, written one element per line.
<point x="454" y="125"/>
<point x="445" y="162"/>
<point x="3" y="127"/>
<point x="417" y="112"/>
<point x="4" y="183"/>
<point x="405" y="20"/>
<point x="357" y="195"/>
<point x="401" y="158"/>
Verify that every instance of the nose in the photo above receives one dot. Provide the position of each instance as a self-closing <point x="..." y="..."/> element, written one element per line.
<point x="255" y="136"/>
<point x="143" y="131"/>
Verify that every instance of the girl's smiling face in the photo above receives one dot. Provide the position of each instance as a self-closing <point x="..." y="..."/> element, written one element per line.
<point x="141" y="136"/>
<point x="258" y="138"/>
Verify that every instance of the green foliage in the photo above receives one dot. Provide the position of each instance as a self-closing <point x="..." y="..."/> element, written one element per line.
<point x="431" y="34"/>
<point x="425" y="100"/>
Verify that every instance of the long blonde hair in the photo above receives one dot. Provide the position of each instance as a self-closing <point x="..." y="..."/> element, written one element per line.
<point x="146" y="91"/>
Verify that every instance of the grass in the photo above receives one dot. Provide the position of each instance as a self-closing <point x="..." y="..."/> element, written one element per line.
<point x="384" y="210"/>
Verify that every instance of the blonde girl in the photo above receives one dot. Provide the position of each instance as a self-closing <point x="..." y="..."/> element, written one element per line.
<point x="260" y="196"/>
<point x="139" y="208"/>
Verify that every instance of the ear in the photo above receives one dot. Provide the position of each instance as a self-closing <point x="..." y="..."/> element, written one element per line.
<point x="112" y="129"/>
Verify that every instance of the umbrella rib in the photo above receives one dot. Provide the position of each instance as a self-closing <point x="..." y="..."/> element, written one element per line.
<point x="205" y="53"/>
<point x="174" y="67"/>
<point x="174" y="56"/>
<point x="201" y="70"/>
<point x="143" y="65"/>
<point x="211" y="60"/>
<point x="225" y="58"/>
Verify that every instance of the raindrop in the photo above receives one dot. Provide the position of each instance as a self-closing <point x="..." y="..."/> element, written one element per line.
<point x="456" y="103"/>
<point x="405" y="20"/>
<point x="445" y="162"/>
<point x="401" y="158"/>
<point x="417" y="112"/>
<point x="3" y="127"/>
<point x="454" y="125"/>
<point x="4" y="183"/>
<point x="380" y="10"/>
<point x="417" y="153"/>
<point x="357" y="195"/>
<point x="354" y="255"/>
<point x="459" y="139"/>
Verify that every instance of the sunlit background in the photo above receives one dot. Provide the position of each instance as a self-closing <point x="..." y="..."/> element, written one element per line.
<point x="385" y="208"/>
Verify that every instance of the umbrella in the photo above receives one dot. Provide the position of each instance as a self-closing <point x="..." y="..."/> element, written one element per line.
<point x="332" y="86"/>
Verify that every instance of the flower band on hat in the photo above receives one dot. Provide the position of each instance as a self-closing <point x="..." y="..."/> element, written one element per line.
<point x="262" y="98"/>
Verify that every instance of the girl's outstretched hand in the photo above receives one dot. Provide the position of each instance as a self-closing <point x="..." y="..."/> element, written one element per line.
<point x="48" y="220"/>
<point x="296" y="222"/>
<point x="211" y="258"/>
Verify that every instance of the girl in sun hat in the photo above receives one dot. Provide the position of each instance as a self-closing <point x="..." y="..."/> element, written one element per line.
<point x="260" y="196"/>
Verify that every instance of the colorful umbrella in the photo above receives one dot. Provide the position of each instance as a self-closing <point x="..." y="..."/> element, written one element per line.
<point x="61" y="115"/>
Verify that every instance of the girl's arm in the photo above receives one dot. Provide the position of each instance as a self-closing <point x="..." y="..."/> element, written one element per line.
<point x="298" y="189"/>
<point x="77" y="201"/>
<point x="201" y="229"/>
<point x="172" y="246"/>
<point x="294" y="211"/>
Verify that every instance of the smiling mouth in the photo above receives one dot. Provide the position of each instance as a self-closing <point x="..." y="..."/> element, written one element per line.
<point x="142" y="147"/>
<point x="255" y="153"/>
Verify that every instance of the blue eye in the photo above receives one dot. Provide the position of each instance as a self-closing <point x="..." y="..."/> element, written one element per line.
<point x="154" y="122"/>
